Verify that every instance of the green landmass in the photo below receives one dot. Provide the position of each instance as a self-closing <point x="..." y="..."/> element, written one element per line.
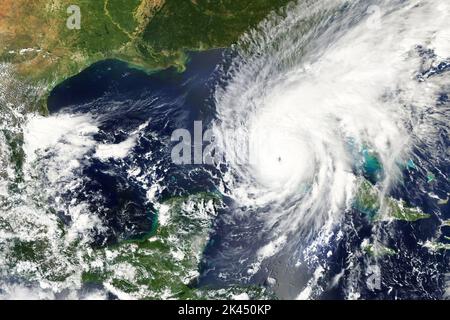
<point x="377" y="250"/>
<point x="377" y="207"/>
<point x="436" y="246"/>
<point x="149" y="34"/>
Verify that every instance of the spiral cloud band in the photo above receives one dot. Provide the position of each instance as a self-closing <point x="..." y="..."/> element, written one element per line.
<point x="313" y="90"/>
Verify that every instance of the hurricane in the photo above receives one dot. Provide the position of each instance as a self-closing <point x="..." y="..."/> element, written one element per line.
<point x="314" y="90"/>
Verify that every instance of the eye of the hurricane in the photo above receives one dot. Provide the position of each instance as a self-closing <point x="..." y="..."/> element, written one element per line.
<point x="279" y="155"/>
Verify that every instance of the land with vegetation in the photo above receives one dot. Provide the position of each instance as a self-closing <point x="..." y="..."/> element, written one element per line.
<point x="149" y="34"/>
